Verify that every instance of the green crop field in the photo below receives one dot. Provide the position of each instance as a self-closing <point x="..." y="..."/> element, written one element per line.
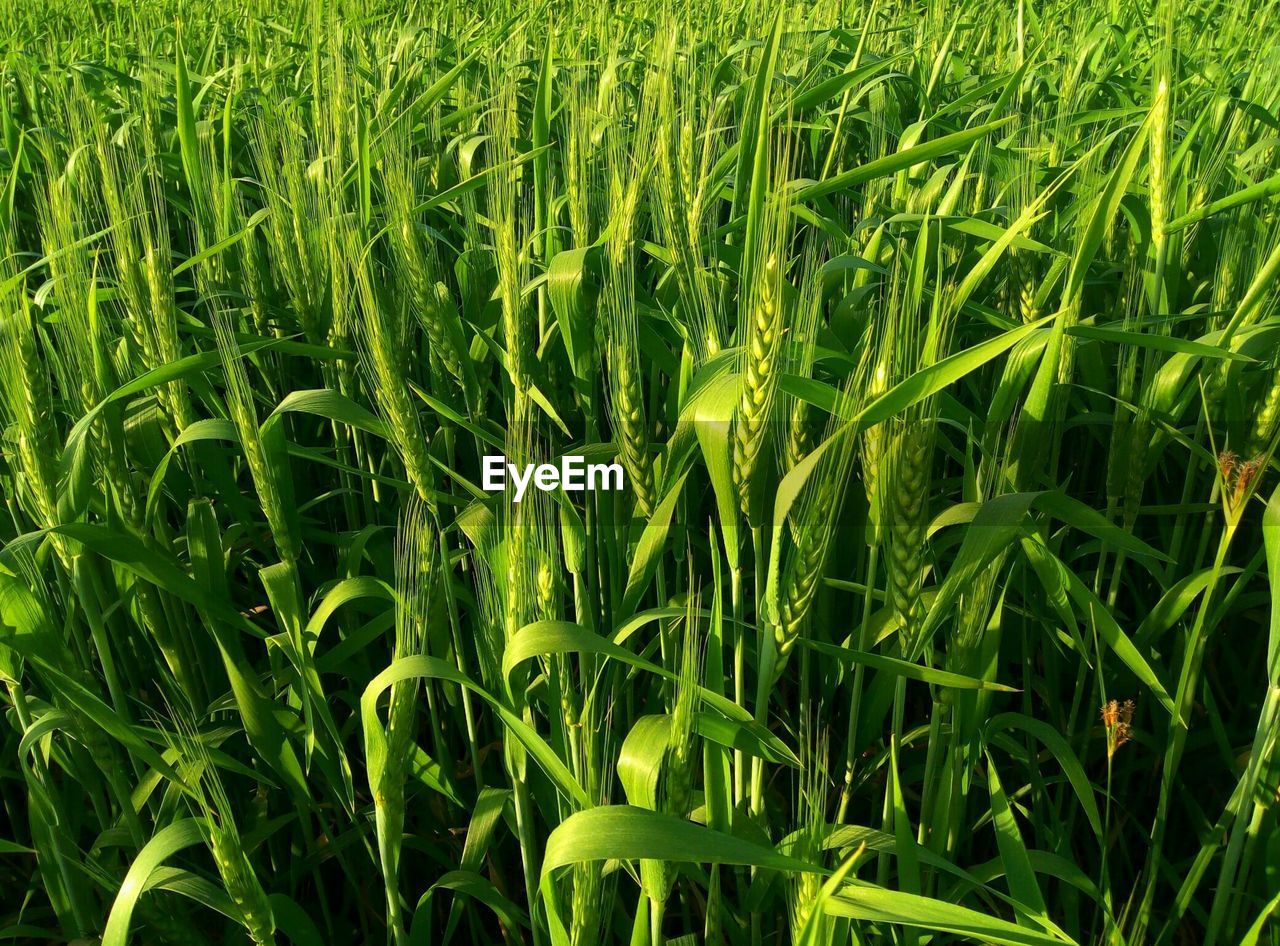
<point x="935" y="346"/>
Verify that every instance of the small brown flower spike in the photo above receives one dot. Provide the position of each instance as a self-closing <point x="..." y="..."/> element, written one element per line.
<point x="1237" y="479"/>
<point x="1227" y="464"/>
<point x="1245" y="475"/>
<point x="1117" y="719"/>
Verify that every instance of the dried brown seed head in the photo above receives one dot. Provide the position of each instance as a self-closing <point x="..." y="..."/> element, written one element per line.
<point x="1117" y="720"/>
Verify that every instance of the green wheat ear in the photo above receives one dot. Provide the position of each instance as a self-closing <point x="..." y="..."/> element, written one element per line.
<point x="381" y="334"/>
<point x="265" y="473"/>
<point x="28" y="413"/>
<point x="221" y="832"/>
<point x="415" y="571"/>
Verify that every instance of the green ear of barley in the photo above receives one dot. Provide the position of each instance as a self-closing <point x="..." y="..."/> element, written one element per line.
<point x="222" y="834"/>
<point x="759" y="382"/>
<point x="805" y="319"/>
<point x="762" y="323"/>
<point x="618" y="301"/>
<point x="1267" y="419"/>
<point x="907" y="520"/>
<point x="28" y="410"/>
<point x="415" y="575"/>
<point x="242" y="883"/>
<point x="628" y="413"/>
<point x="416" y="271"/>
<point x="813" y="531"/>
<point x="381" y="337"/>
<point x="143" y="269"/>
<point x="244" y="415"/>
<point x="803" y="571"/>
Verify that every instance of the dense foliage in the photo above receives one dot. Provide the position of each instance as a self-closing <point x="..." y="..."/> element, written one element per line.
<point x="938" y="344"/>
